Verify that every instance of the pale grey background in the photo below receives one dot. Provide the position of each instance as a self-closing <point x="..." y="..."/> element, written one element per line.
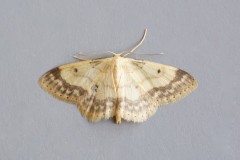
<point x="199" y="36"/>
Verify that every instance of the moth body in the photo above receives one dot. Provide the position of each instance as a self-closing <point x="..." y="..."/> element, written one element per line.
<point x="118" y="87"/>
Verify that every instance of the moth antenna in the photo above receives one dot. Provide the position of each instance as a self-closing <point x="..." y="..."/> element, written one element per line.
<point x="94" y="53"/>
<point x="81" y="54"/>
<point x="112" y="52"/>
<point x="153" y="54"/>
<point x="125" y="53"/>
<point x="81" y="59"/>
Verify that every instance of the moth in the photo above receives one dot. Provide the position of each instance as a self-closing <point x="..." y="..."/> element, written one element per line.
<point x="118" y="86"/>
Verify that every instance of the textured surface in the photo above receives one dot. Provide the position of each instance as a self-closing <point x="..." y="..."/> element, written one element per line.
<point x="119" y="87"/>
<point x="201" y="37"/>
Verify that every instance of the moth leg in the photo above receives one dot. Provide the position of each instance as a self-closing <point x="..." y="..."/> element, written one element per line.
<point x="123" y="54"/>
